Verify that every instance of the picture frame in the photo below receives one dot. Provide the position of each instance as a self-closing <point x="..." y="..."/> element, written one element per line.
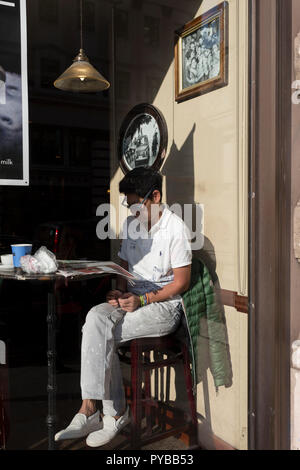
<point x="143" y="138"/>
<point x="201" y="54"/>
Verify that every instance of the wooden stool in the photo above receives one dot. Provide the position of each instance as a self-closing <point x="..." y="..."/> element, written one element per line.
<point x="168" y="420"/>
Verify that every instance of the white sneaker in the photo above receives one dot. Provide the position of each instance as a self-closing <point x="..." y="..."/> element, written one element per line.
<point x="80" y="426"/>
<point x="110" y="429"/>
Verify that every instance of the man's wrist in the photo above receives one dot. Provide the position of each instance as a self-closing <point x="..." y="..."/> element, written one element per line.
<point x="144" y="299"/>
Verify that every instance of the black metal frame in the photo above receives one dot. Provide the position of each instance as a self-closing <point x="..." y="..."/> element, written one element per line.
<point x="144" y="108"/>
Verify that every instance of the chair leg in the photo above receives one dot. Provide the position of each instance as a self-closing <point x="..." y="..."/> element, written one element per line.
<point x="147" y="397"/>
<point x="137" y="349"/>
<point x="136" y="384"/>
<point x="191" y="397"/>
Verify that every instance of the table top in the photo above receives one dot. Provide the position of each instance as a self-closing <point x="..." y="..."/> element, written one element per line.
<point x="86" y="270"/>
<point x="19" y="275"/>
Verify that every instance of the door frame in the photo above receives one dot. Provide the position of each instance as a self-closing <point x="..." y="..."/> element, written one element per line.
<point x="270" y="78"/>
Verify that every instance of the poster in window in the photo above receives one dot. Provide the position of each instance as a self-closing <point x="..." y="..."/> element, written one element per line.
<point x="14" y="166"/>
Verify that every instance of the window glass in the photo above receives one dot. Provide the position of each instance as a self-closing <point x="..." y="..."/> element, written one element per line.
<point x="46" y="145"/>
<point x="48" y="10"/>
<point x="75" y="167"/>
<point x="151" y="31"/>
<point x="88" y="15"/>
<point x="49" y="71"/>
<point x="121" y="24"/>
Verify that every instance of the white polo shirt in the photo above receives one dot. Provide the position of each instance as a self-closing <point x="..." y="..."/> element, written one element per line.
<point x="152" y="259"/>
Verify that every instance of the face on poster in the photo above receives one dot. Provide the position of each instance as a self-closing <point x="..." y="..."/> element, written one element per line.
<point x="13" y="94"/>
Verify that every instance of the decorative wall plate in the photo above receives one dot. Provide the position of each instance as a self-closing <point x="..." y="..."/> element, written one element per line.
<point x="143" y="138"/>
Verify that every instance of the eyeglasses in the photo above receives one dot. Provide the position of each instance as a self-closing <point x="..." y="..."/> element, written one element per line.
<point x="139" y="204"/>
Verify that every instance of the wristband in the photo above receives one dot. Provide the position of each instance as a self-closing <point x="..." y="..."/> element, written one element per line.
<point x="144" y="299"/>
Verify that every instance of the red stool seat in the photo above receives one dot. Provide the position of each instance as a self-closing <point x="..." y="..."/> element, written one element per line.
<point x="161" y="418"/>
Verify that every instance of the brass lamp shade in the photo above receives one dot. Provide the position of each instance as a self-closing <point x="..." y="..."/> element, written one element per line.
<point x="81" y="77"/>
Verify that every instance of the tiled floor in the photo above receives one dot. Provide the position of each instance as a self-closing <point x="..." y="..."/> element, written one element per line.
<point x="28" y="412"/>
<point x="120" y="443"/>
<point x="28" y="377"/>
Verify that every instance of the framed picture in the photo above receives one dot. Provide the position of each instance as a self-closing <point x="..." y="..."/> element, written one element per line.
<point x="201" y="54"/>
<point x="143" y="138"/>
<point x="14" y="125"/>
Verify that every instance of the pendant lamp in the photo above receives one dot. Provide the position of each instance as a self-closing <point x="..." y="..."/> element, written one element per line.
<point x="81" y="76"/>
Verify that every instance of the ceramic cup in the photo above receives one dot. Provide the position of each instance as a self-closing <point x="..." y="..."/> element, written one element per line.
<point x="7" y="260"/>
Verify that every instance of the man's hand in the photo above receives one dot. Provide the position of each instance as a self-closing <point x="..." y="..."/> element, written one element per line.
<point x="112" y="297"/>
<point x="129" y="302"/>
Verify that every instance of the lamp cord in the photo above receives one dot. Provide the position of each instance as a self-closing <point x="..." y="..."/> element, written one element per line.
<point x="81" y="39"/>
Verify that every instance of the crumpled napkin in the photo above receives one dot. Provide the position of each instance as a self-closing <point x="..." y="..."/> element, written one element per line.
<point x="42" y="262"/>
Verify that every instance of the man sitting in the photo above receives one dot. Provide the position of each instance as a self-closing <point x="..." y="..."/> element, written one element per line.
<point x="156" y="249"/>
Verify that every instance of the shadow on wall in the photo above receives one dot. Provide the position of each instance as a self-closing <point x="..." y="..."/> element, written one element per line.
<point x="208" y="257"/>
<point x="179" y="172"/>
<point x="153" y="61"/>
<point x="180" y="189"/>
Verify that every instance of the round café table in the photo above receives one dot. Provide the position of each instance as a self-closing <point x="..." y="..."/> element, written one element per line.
<point x="54" y="281"/>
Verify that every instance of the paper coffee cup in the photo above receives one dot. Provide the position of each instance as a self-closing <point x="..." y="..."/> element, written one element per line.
<point x="20" y="250"/>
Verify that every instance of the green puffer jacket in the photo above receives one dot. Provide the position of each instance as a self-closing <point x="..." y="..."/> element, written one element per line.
<point x="206" y="325"/>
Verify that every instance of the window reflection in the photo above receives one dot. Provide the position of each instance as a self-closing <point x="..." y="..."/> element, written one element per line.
<point x="49" y="71"/>
<point x="46" y="145"/>
<point x="48" y="11"/>
<point x="151" y="31"/>
<point x="123" y="85"/>
<point x="121" y="24"/>
<point x="88" y="15"/>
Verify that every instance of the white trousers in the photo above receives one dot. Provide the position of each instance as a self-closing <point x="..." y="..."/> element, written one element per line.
<point x="107" y="327"/>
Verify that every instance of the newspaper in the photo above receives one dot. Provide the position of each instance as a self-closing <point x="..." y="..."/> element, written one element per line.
<point x="69" y="268"/>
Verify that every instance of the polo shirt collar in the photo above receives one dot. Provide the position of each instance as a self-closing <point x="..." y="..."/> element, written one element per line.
<point x="163" y="221"/>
